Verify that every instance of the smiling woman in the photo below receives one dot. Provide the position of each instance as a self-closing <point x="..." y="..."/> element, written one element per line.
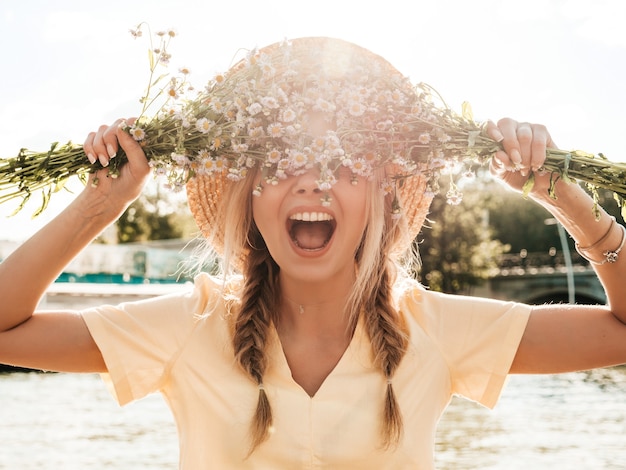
<point x="313" y="347"/>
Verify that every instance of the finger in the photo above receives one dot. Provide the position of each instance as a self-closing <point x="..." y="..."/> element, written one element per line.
<point x="99" y="146"/>
<point x="134" y="151"/>
<point x="541" y="137"/>
<point x="525" y="140"/>
<point x="494" y="132"/>
<point x="88" y="147"/>
<point x="510" y="143"/>
<point x="500" y="163"/>
<point x="109" y="138"/>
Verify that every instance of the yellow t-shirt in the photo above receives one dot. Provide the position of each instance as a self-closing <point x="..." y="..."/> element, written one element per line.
<point x="180" y="345"/>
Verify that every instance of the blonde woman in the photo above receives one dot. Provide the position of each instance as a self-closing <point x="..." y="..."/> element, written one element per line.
<point x="313" y="349"/>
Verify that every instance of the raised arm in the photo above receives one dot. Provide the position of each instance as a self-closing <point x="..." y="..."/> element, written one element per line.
<point x="563" y="337"/>
<point x="60" y="340"/>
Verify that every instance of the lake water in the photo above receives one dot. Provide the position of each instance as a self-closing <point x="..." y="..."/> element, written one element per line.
<point x="571" y="421"/>
<point x="69" y="421"/>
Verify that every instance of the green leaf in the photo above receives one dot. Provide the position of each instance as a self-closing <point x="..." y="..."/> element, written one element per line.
<point x="25" y="199"/>
<point x="159" y="78"/>
<point x="528" y="185"/>
<point x="59" y="185"/>
<point x="466" y="109"/>
<point x="46" y="193"/>
<point x="151" y="59"/>
<point x="565" y="172"/>
<point x="552" y="189"/>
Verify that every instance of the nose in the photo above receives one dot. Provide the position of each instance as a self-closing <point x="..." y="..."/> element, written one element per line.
<point x="306" y="183"/>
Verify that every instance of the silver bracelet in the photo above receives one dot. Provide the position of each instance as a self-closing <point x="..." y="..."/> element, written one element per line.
<point x="610" y="256"/>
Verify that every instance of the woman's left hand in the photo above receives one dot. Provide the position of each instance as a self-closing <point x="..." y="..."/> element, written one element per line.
<point x="524" y="151"/>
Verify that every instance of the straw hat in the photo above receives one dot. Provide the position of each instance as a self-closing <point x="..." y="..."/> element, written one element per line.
<point x="360" y="92"/>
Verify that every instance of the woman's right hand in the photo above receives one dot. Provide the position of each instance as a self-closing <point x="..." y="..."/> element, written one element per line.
<point x="103" y="145"/>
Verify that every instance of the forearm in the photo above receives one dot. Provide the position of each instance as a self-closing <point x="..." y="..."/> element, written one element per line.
<point x="28" y="271"/>
<point x="574" y="209"/>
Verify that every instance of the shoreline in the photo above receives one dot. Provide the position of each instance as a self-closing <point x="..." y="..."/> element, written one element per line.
<point x="77" y="296"/>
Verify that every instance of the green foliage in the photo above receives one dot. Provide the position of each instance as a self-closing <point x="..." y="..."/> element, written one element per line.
<point x="155" y="216"/>
<point x="458" y="249"/>
<point x="463" y="243"/>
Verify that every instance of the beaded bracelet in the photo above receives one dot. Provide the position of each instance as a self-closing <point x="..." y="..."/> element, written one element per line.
<point x="610" y="256"/>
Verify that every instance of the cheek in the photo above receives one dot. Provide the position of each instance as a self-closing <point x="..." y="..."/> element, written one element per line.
<point x="265" y="209"/>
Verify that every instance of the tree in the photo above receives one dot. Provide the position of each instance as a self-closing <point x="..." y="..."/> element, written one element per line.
<point x="457" y="248"/>
<point x="155" y="215"/>
<point x="464" y="243"/>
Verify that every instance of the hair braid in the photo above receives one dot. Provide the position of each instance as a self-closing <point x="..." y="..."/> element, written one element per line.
<point x="389" y="339"/>
<point x="252" y="327"/>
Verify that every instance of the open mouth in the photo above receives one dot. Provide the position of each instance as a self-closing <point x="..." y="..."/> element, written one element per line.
<point x="311" y="230"/>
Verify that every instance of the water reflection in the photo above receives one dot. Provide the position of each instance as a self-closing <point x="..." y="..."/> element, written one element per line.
<point x="570" y="421"/>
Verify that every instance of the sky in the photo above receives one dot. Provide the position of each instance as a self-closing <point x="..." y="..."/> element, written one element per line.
<point x="69" y="65"/>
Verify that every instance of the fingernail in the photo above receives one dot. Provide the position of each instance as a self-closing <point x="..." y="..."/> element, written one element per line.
<point x="91" y="158"/>
<point x="497" y="135"/>
<point x="516" y="157"/>
<point x="111" y="151"/>
<point x="103" y="160"/>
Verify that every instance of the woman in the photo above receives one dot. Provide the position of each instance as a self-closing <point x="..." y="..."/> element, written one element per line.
<point x="315" y="349"/>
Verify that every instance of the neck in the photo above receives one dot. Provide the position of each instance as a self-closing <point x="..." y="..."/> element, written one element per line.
<point x="316" y="307"/>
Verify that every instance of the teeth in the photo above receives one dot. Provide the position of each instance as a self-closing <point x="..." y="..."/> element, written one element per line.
<point x="311" y="216"/>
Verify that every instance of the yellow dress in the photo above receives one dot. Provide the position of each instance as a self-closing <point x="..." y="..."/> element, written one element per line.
<point x="180" y="346"/>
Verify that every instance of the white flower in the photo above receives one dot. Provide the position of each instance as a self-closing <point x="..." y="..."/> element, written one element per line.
<point x="275" y="130"/>
<point x="424" y="138"/>
<point x="137" y="133"/>
<point x="297" y="159"/>
<point x="254" y="109"/>
<point x="360" y="167"/>
<point x="240" y="148"/>
<point x="356" y="108"/>
<point x="180" y="159"/>
<point x="324" y="106"/>
<point x="387" y="186"/>
<point x="204" y="125"/>
<point x="273" y="156"/>
<point x="270" y="102"/>
<point x="288" y="115"/>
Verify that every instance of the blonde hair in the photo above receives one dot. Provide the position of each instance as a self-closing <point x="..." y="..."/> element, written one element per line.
<point x="377" y="266"/>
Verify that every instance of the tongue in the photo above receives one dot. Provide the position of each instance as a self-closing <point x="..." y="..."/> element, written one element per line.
<point x="311" y="235"/>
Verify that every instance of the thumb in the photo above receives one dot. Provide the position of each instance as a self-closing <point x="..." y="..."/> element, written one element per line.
<point x="132" y="148"/>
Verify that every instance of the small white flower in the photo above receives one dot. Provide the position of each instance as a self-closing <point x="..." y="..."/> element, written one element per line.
<point x="270" y="102"/>
<point x="256" y="132"/>
<point x="257" y="190"/>
<point x="275" y="130"/>
<point x="324" y="105"/>
<point x="273" y="156"/>
<point x="356" y="108"/>
<point x="180" y="159"/>
<point x="254" y="109"/>
<point x="288" y="115"/>
<point x="240" y="148"/>
<point x="204" y="125"/>
<point x="137" y="133"/>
